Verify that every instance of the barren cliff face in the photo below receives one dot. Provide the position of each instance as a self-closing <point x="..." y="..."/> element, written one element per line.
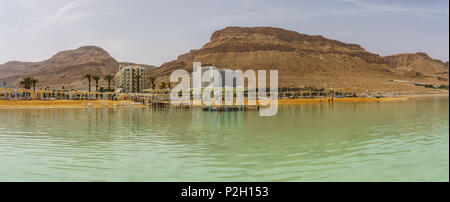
<point x="419" y="62"/>
<point x="304" y="60"/>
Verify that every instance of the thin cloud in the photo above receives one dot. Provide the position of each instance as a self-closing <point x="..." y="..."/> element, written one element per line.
<point x="65" y="14"/>
<point x="392" y="8"/>
<point x="157" y="31"/>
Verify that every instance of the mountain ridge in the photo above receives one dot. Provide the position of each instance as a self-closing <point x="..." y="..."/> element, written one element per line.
<point x="306" y="60"/>
<point x="302" y="60"/>
<point x="67" y="68"/>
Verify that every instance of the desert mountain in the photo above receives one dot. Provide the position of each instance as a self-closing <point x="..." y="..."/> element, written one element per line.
<point x="66" y="68"/>
<point x="304" y="60"/>
<point x="419" y="62"/>
<point x="14" y="67"/>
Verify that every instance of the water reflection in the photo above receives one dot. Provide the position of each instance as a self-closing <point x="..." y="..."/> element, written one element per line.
<point x="340" y="141"/>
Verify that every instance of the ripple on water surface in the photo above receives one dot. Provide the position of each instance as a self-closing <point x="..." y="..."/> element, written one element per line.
<point x="394" y="141"/>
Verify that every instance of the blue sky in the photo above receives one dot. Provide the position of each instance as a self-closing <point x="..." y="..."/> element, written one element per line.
<point x="154" y="32"/>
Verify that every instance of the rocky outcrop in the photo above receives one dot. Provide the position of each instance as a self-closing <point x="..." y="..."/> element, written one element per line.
<point x="418" y="62"/>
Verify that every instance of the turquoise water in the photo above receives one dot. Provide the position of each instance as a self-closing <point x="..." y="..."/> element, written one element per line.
<point x="390" y="141"/>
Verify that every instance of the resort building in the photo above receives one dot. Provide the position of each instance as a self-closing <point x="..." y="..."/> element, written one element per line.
<point x="216" y="83"/>
<point x="130" y="78"/>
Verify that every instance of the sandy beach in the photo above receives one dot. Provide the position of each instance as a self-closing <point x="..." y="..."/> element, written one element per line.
<point x="126" y="103"/>
<point x="66" y="104"/>
<point x="336" y="100"/>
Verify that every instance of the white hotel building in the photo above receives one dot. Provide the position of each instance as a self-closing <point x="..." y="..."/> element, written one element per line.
<point x="127" y="80"/>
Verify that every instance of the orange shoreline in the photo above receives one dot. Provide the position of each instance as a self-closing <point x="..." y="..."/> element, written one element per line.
<point x="336" y="100"/>
<point x="66" y="104"/>
<point x="8" y="104"/>
<point x="126" y="103"/>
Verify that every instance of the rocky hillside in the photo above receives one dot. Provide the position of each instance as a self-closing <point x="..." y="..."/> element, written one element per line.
<point x="419" y="62"/>
<point x="302" y="60"/>
<point x="305" y="60"/>
<point x="14" y="67"/>
<point x="66" y="68"/>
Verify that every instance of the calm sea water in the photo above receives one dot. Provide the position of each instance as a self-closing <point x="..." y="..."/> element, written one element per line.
<point x="391" y="141"/>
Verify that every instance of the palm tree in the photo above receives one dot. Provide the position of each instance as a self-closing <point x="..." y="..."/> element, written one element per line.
<point x="138" y="78"/>
<point x="88" y="76"/>
<point x="163" y="85"/>
<point x="34" y="81"/>
<point x="96" y="78"/>
<point x="108" y="78"/>
<point x="152" y="81"/>
<point x="26" y="82"/>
